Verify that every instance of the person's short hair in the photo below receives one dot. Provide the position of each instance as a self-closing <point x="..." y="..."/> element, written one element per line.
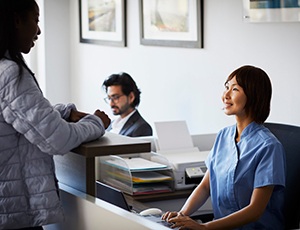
<point x="127" y="84"/>
<point x="258" y="90"/>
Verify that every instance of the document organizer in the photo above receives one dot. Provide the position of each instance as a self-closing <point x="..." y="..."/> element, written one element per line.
<point x="137" y="174"/>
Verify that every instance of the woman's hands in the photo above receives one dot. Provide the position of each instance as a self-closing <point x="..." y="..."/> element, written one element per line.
<point x="181" y="221"/>
<point x="193" y="203"/>
<point x="77" y="115"/>
<point x="168" y="215"/>
<point x="103" y="116"/>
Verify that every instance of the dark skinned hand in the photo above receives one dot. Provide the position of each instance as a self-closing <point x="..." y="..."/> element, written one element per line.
<point x="76" y="115"/>
<point x="103" y="116"/>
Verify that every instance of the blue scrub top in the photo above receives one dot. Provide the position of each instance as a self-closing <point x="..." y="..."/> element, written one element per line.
<point x="236" y="169"/>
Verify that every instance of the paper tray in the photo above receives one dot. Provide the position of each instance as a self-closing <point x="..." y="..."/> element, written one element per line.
<point x="137" y="174"/>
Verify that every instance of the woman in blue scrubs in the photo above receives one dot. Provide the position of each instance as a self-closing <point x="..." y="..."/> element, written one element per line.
<point x="246" y="166"/>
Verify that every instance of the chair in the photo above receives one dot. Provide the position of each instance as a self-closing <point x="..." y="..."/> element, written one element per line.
<point x="289" y="136"/>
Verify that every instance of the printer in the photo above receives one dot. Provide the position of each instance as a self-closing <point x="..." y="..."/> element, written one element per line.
<point x="175" y="144"/>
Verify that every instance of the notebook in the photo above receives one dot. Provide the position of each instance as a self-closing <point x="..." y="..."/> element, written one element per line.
<point x="116" y="197"/>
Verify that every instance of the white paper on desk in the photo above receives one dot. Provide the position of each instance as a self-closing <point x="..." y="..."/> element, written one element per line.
<point x="136" y="164"/>
<point x="173" y="135"/>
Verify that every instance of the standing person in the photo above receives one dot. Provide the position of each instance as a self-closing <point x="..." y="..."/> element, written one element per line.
<point x="31" y="130"/>
<point x="246" y="166"/>
<point x="123" y="96"/>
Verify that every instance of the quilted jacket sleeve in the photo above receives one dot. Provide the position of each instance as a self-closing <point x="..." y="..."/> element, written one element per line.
<point x="24" y="107"/>
<point x="65" y="110"/>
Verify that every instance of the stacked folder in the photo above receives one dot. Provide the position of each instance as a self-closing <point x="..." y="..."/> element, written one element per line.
<point x="136" y="175"/>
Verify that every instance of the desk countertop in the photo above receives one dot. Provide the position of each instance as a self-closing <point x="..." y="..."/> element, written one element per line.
<point x="112" y="143"/>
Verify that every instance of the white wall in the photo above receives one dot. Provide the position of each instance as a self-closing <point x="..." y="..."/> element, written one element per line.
<point x="57" y="36"/>
<point x="180" y="83"/>
<point x="50" y="59"/>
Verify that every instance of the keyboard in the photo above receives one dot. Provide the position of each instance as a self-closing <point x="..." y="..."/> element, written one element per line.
<point x="157" y="219"/>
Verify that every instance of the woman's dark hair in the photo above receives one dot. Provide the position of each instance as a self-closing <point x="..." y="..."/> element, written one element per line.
<point x="127" y="84"/>
<point x="8" y="37"/>
<point x="258" y="89"/>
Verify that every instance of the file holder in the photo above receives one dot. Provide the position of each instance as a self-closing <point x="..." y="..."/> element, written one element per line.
<point x="137" y="174"/>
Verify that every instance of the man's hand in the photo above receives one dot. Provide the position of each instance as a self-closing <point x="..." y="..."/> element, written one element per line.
<point x="105" y="119"/>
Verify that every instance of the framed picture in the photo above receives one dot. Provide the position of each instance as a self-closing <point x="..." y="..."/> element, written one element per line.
<point x="102" y="22"/>
<point x="176" y="23"/>
<point x="271" y="10"/>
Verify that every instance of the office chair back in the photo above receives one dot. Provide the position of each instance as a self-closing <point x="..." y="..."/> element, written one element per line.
<point x="289" y="136"/>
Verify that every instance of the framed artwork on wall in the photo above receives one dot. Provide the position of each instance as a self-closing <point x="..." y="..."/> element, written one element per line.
<point x="176" y="23"/>
<point x="102" y="22"/>
<point x="271" y="10"/>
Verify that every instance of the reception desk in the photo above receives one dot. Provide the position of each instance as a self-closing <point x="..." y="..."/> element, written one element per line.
<point x="78" y="169"/>
<point x="84" y="212"/>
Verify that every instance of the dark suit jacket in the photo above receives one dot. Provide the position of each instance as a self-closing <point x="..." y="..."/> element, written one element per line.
<point x="136" y="126"/>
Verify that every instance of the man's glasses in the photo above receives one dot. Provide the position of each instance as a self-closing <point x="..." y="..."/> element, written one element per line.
<point x="114" y="98"/>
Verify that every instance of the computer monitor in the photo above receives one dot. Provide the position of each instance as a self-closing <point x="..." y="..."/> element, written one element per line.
<point x="111" y="195"/>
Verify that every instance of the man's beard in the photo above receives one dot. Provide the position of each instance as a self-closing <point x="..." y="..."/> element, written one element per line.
<point x="120" y="111"/>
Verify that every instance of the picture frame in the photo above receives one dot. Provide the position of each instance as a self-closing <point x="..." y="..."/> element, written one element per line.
<point x="271" y="10"/>
<point x="103" y="22"/>
<point x="173" y="23"/>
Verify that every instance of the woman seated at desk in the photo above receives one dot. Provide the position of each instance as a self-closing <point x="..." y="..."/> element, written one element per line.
<point x="246" y="167"/>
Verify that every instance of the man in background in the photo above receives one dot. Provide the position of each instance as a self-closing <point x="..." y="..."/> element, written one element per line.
<point x="123" y="96"/>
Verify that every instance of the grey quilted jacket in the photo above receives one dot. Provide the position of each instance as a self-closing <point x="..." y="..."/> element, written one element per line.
<point x="31" y="132"/>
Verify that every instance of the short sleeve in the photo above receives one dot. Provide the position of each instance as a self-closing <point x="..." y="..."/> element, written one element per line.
<point x="271" y="167"/>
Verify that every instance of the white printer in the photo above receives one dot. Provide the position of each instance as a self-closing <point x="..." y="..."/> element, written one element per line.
<point x="175" y="144"/>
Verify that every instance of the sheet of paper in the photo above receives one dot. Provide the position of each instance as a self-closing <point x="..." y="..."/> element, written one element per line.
<point x="136" y="164"/>
<point x="173" y="135"/>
